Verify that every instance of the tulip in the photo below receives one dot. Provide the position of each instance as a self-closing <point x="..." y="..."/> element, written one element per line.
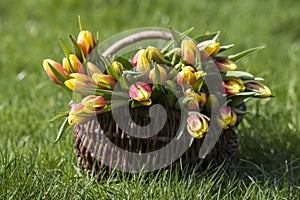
<point x="86" y="42"/>
<point x="189" y="51"/>
<point x="198" y="99"/>
<point x="155" y="54"/>
<point x="72" y="64"/>
<point x="227" y="117"/>
<point x="80" y="81"/>
<point x="143" y="63"/>
<point x="55" y="71"/>
<point x="186" y="77"/>
<point x="197" y="125"/>
<point x="92" y="69"/>
<point x="77" y="115"/>
<point x="163" y="76"/>
<point x="234" y="86"/>
<point x="141" y="92"/>
<point x="104" y="81"/>
<point x="210" y="47"/>
<point x="199" y="74"/>
<point x="135" y="58"/>
<point x="261" y="89"/>
<point x="93" y="104"/>
<point x="225" y="64"/>
<point x="117" y="67"/>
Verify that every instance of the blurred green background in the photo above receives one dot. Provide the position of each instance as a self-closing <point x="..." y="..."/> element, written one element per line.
<point x="29" y="32"/>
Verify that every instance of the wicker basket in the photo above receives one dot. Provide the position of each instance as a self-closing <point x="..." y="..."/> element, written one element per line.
<point x="98" y="141"/>
<point x="95" y="154"/>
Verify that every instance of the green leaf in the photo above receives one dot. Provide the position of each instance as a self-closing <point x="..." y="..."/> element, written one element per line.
<point x="191" y="141"/>
<point x="183" y="125"/>
<point x="210" y="36"/>
<point x="65" y="48"/>
<point x="176" y="38"/>
<point x="237" y="74"/>
<point x="242" y="54"/>
<point x="198" y="85"/>
<point x="77" y="48"/>
<point x="60" y="76"/>
<point x="59" y="115"/>
<point x="238" y="111"/>
<point x="239" y="100"/>
<point x="112" y="72"/>
<point x="156" y="75"/>
<point x="226" y="47"/>
<point x="126" y="64"/>
<point x="63" y="127"/>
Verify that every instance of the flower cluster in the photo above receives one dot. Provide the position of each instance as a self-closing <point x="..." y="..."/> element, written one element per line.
<point x="173" y="76"/>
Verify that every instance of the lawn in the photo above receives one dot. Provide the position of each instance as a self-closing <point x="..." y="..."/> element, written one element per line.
<point x="33" y="167"/>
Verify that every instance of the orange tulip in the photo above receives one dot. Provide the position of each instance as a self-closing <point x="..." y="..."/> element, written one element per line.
<point x="86" y="42"/>
<point x="55" y="71"/>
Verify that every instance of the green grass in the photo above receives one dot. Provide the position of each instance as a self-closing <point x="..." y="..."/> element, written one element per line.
<point x="33" y="167"/>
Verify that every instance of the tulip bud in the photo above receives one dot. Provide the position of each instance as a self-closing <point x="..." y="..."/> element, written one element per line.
<point x="93" y="104"/>
<point x="197" y="125"/>
<point x="210" y="47"/>
<point x="104" y="81"/>
<point x="77" y="115"/>
<point x="227" y="117"/>
<point x="198" y="99"/>
<point x="163" y="76"/>
<point x="92" y="69"/>
<point x="186" y="77"/>
<point x="72" y="64"/>
<point x="189" y="51"/>
<point x="143" y="63"/>
<point x="225" y="64"/>
<point x="155" y="54"/>
<point x="55" y="71"/>
<point x="117" y="67"/>
<point x="141" y="92"/>
<point x="80" y="81"/>
<point x="86" y="42"/>
<point x="135" y="58"/>
<point x="261" y="89"/>
<point x="234" y="86"/>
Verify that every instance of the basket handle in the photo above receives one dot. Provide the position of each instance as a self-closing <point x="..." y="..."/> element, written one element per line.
<point x="143" y="35"/>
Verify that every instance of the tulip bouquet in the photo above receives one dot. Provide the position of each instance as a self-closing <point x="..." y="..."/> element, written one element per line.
<point x="174" y="76"/>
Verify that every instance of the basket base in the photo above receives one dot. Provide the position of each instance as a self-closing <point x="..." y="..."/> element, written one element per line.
<point x="92" y="153"/>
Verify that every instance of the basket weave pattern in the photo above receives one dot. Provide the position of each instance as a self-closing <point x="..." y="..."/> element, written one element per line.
<point x="92" y="148"/>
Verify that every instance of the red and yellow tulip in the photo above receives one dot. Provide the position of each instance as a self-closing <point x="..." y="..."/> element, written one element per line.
<point x="234" y="86"/>
<point x="226" y="117"/>
<point x="72" y="64"/>
<point x="163" y="76"/>
<point x="93" y="104"/>
<point x="225" y="64"/>
<point x="86" y="42"/>
<point x="189" y="51"/>
<point x="209" y="48"/>
<point x="55" y="71"/>
<point x="197" y="125"/>
<point x="186" y="77"/>
<point x="77" y="115"/>
<point x="104" y="81"/>
<point x="141" y="92"/>
<point x="261" y="90"/>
